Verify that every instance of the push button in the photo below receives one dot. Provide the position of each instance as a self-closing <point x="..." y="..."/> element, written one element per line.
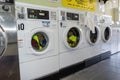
<point x="5" y="8"/>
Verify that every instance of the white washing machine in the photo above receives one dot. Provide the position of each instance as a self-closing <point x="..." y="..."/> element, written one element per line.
<point x="38" y="40"/>
<point x="106" y="32"/>
<point x="70" y="38"/>
<point x="115" y="39"/>
<point x="92" y="40"/>
<point x="86" y="51"/>
<point x="97" y="47"/>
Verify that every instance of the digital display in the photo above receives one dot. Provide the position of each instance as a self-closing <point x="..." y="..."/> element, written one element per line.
<point x="42" y="14"/>
<point x="38" y="14"/>
<point x="72" y="16"/>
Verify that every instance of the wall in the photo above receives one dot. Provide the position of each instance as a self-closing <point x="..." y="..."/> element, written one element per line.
<point x="52" y="3"/>
<point x="115" y="11"/>
<point x="108" y="7"/>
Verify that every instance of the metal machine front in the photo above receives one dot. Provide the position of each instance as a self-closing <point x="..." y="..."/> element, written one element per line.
<point x="9" y="63"/>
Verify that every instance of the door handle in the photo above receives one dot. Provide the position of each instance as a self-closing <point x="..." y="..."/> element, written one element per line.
<point x="2" y="42"/>
<point x="2" y="28"/>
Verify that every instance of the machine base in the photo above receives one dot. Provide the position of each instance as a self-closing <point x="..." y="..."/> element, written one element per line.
<point x="54" y="76"/>
<point x="105" y="55"/>
<point x="96" y="59"/>
<point x="77" y="67"/>
<point x="71" y="69"/>
<point x="93" y="60"/>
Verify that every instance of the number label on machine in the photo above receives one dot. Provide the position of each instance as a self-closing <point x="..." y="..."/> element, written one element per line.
<point x="21" y="26"/>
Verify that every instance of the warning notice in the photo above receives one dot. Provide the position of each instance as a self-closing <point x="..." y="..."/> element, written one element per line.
<point x="89" y="5"/>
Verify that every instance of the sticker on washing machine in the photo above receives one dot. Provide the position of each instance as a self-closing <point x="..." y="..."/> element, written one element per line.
<point x="20" y="43"/>
<point x="46" y="23"/>
<point x="21" y="27"/>
<point x="89" y="5"/>
<point x="53" y="15"/>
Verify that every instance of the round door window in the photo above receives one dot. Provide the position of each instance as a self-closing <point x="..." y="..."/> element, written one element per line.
<point x="3" y="42"/>
<point x="94" y="36"/>
<point x="73" y="37"/>
<point x="39" y="41"/>
<point x="107" y="33"/>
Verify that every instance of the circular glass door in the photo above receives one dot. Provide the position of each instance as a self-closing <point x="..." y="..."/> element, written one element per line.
<point x="39" y="41"/>
<point x="73" y="37"/>
<point x="107" y="33"/>
<point x="94" y="36"/>
<point x="3" y="41"/>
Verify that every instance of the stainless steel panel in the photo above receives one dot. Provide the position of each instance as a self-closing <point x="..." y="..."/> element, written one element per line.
<point x="9" y="62"/>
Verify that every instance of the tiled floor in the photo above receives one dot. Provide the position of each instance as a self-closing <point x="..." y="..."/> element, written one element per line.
<point x="105" y="70"/>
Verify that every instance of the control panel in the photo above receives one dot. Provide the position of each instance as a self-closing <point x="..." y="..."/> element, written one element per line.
<point x="72" y="16"/>
<point x="37" y="14"/>
<point x="6" y="1"/>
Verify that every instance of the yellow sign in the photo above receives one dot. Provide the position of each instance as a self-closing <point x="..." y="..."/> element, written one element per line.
<point x="89" y="5"/>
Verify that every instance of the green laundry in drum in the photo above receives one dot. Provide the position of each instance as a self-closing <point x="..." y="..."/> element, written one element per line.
<point x="72" y="40"/>
<point x="35" y="37"/>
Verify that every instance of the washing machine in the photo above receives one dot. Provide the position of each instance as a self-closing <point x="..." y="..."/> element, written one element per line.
<point x="87" y="50"/>
<point x="115" y="39"/>
<point x="106" y="33"/>
<point x="71" y="38"/>
<point x="92" y="39"/>
<point x="98" y="45"/>
<point x="9" y="61"/>
<point x="38" y="40"/>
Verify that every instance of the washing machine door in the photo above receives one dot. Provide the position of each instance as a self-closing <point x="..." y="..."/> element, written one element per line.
<point x="73" y="37"/>
<point x="40" y="42"/>
<point x="93" y="38"/>
<point x="106" y="33"/>
<point x="3" y="42"/>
